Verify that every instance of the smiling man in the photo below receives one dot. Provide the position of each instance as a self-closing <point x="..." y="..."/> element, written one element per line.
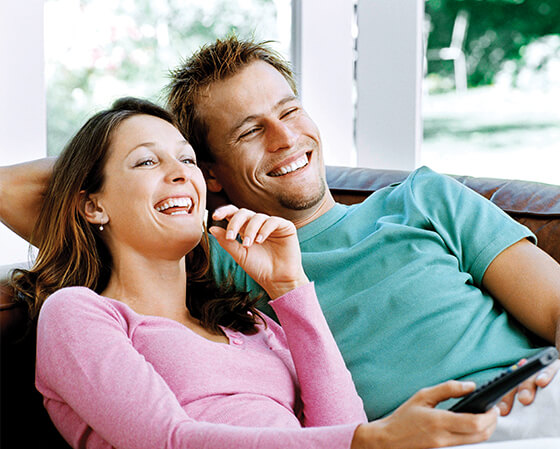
<point x="266" y="178"/>
<point x="419" y="283"/>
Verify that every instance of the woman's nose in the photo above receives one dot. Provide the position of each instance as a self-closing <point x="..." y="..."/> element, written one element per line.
<point x="179" y="172"/>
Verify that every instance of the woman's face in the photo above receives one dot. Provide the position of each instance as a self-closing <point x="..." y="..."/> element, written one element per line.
<point x="154" y="195"/>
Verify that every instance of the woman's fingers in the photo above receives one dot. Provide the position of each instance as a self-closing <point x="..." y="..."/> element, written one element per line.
<point x="252" y="227"/>
<point x="470" y="423"/>
<point x="275" y="225"/>
<point x="224" y="212"/>
<point x="432" y="396"/>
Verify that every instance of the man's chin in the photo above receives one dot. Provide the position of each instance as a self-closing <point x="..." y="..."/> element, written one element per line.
<point x="302" y="200"/>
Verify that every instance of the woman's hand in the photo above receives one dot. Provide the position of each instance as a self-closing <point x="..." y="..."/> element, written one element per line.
<point x="269" y="251"/>
<point x="418" y="425"/>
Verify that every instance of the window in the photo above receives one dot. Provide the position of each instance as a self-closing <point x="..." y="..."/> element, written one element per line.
<point x="99" y="50"/>
<point x="492" y="89"/>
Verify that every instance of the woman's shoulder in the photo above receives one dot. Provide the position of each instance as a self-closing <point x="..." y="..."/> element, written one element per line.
<point x="72" y="295"/>
<point x="76" y="301"/>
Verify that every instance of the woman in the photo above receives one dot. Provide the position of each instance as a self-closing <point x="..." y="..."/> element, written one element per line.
<point x="137" y="348"/>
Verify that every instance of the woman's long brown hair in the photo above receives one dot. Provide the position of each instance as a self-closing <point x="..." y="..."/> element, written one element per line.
<point x="71" y="250"/>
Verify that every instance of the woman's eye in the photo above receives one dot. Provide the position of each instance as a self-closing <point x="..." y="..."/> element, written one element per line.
<point x="146" y="163"/>
<point x="189" y="160"/>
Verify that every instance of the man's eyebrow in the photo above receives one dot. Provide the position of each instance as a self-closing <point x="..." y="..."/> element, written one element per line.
<point x="252" y="117"/>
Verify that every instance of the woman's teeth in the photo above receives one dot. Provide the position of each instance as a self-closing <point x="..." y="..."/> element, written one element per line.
<point x="184" y="203"/>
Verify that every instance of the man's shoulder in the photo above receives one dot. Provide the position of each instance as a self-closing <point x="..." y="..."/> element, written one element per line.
<point x="424" y="177"/>
<point x="425" y="184"/>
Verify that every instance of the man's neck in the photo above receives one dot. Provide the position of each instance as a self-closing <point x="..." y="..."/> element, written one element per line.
<point x="311" y="214"/>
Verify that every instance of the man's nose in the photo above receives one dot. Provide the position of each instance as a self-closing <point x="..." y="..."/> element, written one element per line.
<point x="280" y="136"/>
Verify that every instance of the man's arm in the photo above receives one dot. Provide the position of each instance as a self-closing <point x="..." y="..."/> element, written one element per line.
<point x="526" y="281"/>
<point x="21" y="192"/>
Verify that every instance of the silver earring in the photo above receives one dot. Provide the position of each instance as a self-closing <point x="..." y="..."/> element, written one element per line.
<point x="101" y="227"/>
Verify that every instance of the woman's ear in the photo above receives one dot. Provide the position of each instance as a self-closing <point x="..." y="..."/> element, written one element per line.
<point x="211" y="182"/>
<point x="92" y="210"/>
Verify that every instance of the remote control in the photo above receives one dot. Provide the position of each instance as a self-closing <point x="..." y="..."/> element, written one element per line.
<point x="488" y="394"/>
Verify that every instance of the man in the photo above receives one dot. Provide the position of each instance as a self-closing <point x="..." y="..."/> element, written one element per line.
<point x="401" y="278"/>
<point x="414" y="282"/>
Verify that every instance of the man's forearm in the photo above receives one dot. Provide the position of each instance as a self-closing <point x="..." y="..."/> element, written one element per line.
<point x="22" y="187"/>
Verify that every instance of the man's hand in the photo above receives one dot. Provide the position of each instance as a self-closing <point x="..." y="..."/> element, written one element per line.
<point x="269" y="251"/>
<point x="22" y="187"/>
<point x="527" y="390"/>
<point x="418" y="425"/>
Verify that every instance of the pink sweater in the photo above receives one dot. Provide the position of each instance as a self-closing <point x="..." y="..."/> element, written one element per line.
<point x="112" y="377"/>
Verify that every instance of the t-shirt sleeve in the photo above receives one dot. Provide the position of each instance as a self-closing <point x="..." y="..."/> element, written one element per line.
<point x="327" y="390"/>
<point x="474" y="229"/>
<point x="101" y="392"/>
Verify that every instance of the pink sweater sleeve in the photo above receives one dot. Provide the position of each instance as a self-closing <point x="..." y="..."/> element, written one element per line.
<point x="101" y="392"/>
<point x="327" y="390"/>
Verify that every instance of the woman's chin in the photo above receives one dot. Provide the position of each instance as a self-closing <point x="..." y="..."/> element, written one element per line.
<point x="189" y="243"/>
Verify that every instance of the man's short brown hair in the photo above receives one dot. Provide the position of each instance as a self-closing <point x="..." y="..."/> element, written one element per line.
<point x="214" y="62"/>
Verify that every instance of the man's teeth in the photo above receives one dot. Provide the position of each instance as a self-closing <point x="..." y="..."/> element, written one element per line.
<point x="301" y="162"/>
<point x="176" y="202"/>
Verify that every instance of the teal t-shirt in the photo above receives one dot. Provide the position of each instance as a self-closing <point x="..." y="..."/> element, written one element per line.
<point x="399" y="281"/>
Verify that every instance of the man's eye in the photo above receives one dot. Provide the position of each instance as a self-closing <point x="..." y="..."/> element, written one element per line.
<point x="287" y="113"/>
<point x="249" y="133"/>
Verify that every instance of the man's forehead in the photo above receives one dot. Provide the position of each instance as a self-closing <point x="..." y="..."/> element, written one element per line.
<point x="255" y="90"/>
<point x="256" y="77"/>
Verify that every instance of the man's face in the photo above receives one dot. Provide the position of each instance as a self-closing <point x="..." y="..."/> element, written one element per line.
<point x="267" y="150"/>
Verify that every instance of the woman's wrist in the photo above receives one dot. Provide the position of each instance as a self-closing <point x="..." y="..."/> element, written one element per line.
<point x="279" y="288"/>
<point x="369" y="435"/>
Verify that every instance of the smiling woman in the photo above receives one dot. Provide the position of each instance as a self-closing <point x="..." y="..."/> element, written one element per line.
<point x="131" y="151"/>
<point x="136" y="344"/>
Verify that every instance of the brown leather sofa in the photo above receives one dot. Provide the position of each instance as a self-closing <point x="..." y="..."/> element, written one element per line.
<point x="24" y="422"/>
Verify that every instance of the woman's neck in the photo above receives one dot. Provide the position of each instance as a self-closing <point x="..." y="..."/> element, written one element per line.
<point x="149" y="286"/>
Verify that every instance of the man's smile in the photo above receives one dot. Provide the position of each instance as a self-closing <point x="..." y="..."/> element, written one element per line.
<point x="291" y="167"/>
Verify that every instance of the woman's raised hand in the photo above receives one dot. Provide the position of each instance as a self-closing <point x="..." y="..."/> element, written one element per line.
<point x="269" y="251"/>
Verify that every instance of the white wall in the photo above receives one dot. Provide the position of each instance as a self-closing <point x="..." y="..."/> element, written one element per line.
<point x="383" y="127"/>
<point x="323" y="59"/>
<point x="22" y="98"/>
<point x="389" y="83"/>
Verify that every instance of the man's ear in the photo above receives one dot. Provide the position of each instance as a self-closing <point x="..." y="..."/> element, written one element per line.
<point x="92" y="210"/>
<point x="211" y="182"/>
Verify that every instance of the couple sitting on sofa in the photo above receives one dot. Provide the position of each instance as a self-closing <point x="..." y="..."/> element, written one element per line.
<point x="423" y="282"/>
